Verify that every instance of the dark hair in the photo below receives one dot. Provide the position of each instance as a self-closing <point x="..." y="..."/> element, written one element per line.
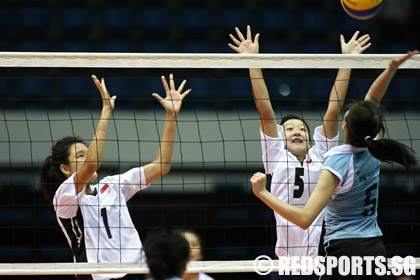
<point x="294" y="117"/>
<point x="51" y="175"/>
<point x="166" y="253"/>
<point x="364" y="121"/>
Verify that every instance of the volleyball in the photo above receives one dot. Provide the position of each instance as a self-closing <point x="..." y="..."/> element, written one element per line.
<point x="361" y="9"/>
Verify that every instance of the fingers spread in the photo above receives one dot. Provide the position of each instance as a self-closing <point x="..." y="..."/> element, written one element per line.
<point x="171" y="81"/>
<point x="355" y="35"/>
<point x="364" y="41"/>
<point x="241" y="37"/>
<point x="181" y="87"/>
<point x="157" y="96"/>
<point x="257" y="38"/>
<point x="236" y="41"/>
<point x="236" y="49"/>
<point x="165" y="83"/>
<point x="366" y="46"/>
<point x="185" y="93"/>
<point x="248" y="33"/>
<point x="363" y="38"/>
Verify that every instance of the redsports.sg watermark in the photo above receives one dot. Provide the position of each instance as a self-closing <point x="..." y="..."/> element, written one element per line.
<point x="367" y="265"/>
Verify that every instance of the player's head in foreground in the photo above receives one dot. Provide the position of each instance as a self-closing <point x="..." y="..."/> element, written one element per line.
<point x="167" y="253"/>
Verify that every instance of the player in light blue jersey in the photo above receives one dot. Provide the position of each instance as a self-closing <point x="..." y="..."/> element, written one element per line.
<point x="354" y="201"/>
<point x="348" y="183"/>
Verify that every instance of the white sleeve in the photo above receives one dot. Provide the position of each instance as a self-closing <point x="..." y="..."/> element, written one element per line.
<point x="322" y="143"/>
<point x="130" y="182"/>
<point x="272" y="148"/>
<point x="66" y="200"/>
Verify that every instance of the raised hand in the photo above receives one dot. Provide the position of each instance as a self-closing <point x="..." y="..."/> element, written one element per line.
<point x="355" y="45"/>
<point x="243" y="45"/>
<point x="107" y="101"/>
<point x="395" y="63"/>
<point x="173" y="100"/>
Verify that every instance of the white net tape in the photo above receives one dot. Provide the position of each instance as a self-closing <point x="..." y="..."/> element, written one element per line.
<point x="143" y="60"/>
<point x="139" y="268"/>
<point x="161" y="60"/>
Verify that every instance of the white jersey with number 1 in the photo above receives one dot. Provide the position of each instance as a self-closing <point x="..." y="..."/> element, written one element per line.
<point x="98" y="226"/>
<point x="293" y="182"/>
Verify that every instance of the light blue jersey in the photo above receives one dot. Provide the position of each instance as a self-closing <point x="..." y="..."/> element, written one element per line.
<point x="352" y="210"/>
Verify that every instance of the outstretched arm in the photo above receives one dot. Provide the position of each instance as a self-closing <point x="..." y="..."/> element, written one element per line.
<point x="339" y="90"/>
<point x="302" y="217"/>
<point x="95" y="151"/>
<point x="172" y="104"/>
<point x="261" y="96"/>
<point x="378" y="88"/>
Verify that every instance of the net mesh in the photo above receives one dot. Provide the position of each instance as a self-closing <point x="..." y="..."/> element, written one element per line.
<point x="44" y="97"/>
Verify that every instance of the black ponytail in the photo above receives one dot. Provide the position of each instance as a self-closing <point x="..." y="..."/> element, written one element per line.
<point x="388" y="150"/>
<point x="51" y="175"/>
<point x="364" y="121"/>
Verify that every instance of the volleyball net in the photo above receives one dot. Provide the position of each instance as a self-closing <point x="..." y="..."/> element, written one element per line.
<point x="46" y="96"/>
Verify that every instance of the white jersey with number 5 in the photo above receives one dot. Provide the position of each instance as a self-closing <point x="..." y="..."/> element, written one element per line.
<point x="293" y="182"/>
<point x="98" y="226"/>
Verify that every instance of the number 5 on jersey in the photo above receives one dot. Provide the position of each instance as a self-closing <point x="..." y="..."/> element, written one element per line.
<point x="299" y="172"/>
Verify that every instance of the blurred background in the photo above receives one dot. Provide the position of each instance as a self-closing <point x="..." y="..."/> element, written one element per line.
<point x="306" y="26"/>
<point x="189" y="26"/>
<point x="218" y="145"/>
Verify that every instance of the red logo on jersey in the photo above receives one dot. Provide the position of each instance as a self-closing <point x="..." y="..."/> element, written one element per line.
<point x="104" y="188"/>
<point x="309" y="161"/>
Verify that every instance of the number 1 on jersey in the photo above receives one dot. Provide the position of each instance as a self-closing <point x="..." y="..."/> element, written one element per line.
<point x="105" y="217"/>
<point x="297" y="193"/>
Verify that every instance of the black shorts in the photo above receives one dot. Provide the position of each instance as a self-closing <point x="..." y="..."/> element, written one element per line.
<point x="356" y="247"/>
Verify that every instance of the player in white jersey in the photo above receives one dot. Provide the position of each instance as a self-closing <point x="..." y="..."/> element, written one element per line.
<point x="348" y="183"/>
<point x="286" y="148"/>
<point x="94" y="216"/>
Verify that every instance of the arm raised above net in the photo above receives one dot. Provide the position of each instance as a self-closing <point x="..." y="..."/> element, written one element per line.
<point x="339" y="90"/>
<point x="172" y="104"/>
<point x="261" y="96"/>
<point x="96" y="147"/>
<point x="380" y="85"/>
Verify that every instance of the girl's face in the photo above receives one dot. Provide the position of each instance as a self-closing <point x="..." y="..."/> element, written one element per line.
<point x="195" y="246"/>
<point x="77" y="155"/>
<point x="296" y="137"/>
